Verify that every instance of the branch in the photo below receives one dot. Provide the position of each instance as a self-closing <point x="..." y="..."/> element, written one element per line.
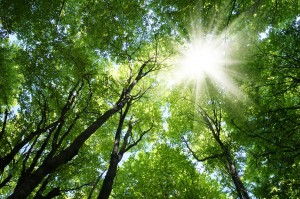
<point x="119" y="129"/>
<point x="260" y="137"/>
<point x="77" y="188"/>
<point x="125" y="139"/>
<point x="28" y="154"/>
<point x="39" y="193"/>
<point x="95" y="184"/>
<point x="140" y="138"/>
<point x="68" y="131"/>
<point x="214" y="156"/>
<point x="70" y="104"/>
<point x="231" y="11"/>
<point x="140" y="94"/>
<point x="213" y="124"/>
<point x="4" y="123"/>
<point x="205" y="115"/>
<point x="53" y="193"/>
<point x="76" y="118"/>
<point x="44" y="109"/>
<point x="6" y="180"/>
<point x="38" y="154"/>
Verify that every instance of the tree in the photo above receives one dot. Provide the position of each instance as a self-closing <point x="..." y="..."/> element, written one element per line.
<point x="272" y="123"/>
<point x="97" y="89"/>
<point x="119" y="150"/>
<point x="201" y="126"/>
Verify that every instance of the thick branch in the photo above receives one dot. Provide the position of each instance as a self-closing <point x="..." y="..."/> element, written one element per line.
<point x="4" y="124"/>
<point x="119" y="130"/>
<point x="125" y="139"/>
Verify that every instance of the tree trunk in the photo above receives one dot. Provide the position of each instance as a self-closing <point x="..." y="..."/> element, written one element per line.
<point x="115" y="158"/>
<point x="239" y="186"/>
<point x="109" y="177"/>
<point x="26" y="186"/>
<point x="229" y="163"/>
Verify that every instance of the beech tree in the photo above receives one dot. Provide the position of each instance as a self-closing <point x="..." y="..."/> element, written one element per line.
<point x="75" y="91"/>
<point x="155" y="99"/>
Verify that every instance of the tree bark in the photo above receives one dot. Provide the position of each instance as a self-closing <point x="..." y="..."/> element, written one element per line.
<point x="115" y="157"/>
<point x="4" y="124"/>
<point x="109" y="177"/>
<point x="239" y="186"/>
<point x="215" y="128"/>
<point x="26" y="186"/>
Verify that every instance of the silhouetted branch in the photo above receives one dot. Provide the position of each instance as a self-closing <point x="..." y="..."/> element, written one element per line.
<point x="95" y="184"/>
<point x="4" y="123"/>
<point x="214" y="156"/>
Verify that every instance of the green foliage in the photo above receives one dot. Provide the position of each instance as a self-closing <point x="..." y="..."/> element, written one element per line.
<point x="76" y="65"/>
<point x="10" y="77"/>
<point x="273" y="123"/>
<point x="163" y="173"/>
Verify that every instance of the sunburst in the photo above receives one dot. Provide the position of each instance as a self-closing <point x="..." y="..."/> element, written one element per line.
<point x="202" y="58"/>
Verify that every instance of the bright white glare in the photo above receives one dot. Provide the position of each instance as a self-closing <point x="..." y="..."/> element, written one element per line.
<point x="206" y="58"/>
<point x="201" y="58"/>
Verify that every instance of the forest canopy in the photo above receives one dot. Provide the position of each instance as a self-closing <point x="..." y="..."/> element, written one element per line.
<point x="149" y="99"/>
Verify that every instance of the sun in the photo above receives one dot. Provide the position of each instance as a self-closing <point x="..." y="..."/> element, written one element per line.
<point x="202" y="58"/>
<point x="206" y="58"/>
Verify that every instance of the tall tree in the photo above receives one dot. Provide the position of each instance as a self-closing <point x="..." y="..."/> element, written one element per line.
<point x="74" y="87"/>
<point x="201" y="126"/>
<point x="272" y="123"/>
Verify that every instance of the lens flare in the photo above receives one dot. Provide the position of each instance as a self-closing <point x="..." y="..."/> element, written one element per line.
<point x="203" y="58"/>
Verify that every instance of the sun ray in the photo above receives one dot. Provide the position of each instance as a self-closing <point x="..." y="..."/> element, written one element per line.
<point x="203" y="58"/>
